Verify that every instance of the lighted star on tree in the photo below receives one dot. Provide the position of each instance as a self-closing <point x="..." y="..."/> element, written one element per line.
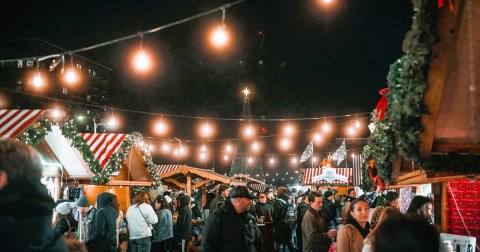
<point x="246" y="92"/>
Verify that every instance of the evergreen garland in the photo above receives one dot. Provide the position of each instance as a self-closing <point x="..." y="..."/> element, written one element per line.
<point x="33" y="135"/>
<point x="407" y="82"/>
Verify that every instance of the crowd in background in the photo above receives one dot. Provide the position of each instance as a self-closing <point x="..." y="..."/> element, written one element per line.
<point x="233" y="218"/>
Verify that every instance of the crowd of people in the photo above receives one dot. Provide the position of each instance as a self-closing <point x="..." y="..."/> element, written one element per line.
<point x="231" y="219"/>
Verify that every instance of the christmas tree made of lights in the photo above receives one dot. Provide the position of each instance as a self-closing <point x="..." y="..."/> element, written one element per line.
<point x="244" y="161"/>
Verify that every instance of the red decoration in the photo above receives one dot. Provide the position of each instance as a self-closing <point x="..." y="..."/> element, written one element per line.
<point x="440" y="4"/>
<point x="372" y="171"/>
<point x="381" y="108"/>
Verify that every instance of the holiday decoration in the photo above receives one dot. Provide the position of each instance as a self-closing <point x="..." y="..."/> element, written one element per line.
<point x="240" y="165"/>
<point x="308" y="152"/>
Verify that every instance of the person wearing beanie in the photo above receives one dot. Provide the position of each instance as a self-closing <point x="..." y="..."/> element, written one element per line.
<point x="85" y="219"/>
<point x="329" y="210"/>
<point x="65" y="223"/>
<point x="223" y="193"/>
<point x="25" y="204"/>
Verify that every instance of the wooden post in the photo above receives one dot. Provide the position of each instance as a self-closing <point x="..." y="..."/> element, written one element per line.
<point x="189" y="185"/>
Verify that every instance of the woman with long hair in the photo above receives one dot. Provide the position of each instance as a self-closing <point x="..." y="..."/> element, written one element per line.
<point x="369" y="242"/>
<point x="162" y="240"/>
<point x="351" y="235"/>
<point x="140" y="218"/>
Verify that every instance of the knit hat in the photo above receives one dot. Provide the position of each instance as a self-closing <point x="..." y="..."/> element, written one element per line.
<point x="64" y="207"/>
<point x="327" y="194"/>
<point x="168" y="199"/>
<point x="83" y="202"/>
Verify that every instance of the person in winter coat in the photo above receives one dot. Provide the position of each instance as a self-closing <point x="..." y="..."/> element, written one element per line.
<point x="316" y="236"/>
<point x="65" y="221"/>
<point x="162" y="239"/>
<point x="223" y="193"/>
<point x="86" y="218"/>
<point x="302" y="208"/>
<point x="283" y="230"/>
<point x="232" y="227"/>
<point x="261" y="207"/>
<point x="25" y="205"/>
<point x="140" y="220"/>
<point x="104" y="237"/>
<point x="329" y="210"/>
<point x="350" y="236"/>
<point x="183" y="231"/>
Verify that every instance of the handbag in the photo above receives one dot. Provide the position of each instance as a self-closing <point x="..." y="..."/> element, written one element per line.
<point x="149" y="225"/>
<point x="71" y="233"/>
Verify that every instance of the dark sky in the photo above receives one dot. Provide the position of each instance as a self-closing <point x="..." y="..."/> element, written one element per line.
<point x="316" y="61"/>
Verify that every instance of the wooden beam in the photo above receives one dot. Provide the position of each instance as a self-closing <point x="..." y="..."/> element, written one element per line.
<point x="129" y="183"/>
<point x="175" y="182"/>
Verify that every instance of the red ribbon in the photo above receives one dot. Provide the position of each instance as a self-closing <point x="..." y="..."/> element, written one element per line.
<point x="381" y="108"/>
<point x="372" y="171"/>
<point x="440" y="4"/>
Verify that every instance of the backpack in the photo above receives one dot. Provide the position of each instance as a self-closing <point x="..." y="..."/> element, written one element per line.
<point x="289" y="214"/>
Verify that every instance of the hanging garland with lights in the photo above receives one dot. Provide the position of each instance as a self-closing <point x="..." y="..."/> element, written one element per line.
<point x="34" y="134"/>
<point x="407" y="82"/>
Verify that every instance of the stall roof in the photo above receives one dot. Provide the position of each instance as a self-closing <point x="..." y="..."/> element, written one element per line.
<point x="339" y="175"/>
<point x="181" y="175"/>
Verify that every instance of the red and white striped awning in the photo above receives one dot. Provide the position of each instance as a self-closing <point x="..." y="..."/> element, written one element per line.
<point x="309" y="173"/>
<point x="161" y="169"/>
<point x="103" y="145"/>
<point x="15" y="121"/>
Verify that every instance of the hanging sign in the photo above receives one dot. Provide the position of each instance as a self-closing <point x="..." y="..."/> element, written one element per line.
<point x="329" y="175"/>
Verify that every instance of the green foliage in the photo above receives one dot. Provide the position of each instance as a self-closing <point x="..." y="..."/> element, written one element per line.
<point x="35" y="134"/>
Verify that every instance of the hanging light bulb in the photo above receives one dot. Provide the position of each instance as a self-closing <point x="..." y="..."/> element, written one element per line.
<point x="71" y="75"/>
<point x="142" y="61"/>
<point x="325" y="125"/>
<point x="357" y="123"/>
<point x="228" y="148"/>
<point x="219" y="36"/>
<point x="37" y="80"/>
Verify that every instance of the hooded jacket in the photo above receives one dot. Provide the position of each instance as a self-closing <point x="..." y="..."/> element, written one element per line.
<point x="27" y="209"/>
<point x="104" y="237"/>
<point x="140" y="220"/>
<point x="226" y="230"/>
<point x="183" y="227"/>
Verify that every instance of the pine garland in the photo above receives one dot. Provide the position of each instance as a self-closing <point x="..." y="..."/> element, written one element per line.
<point x="400" y="129"/>
<point x="33" y="135"/>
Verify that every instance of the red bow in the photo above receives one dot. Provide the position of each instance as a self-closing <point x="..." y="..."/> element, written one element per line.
<point x="382" y="104"/>
<point x="372" y="171"/>
<point x="440" y="4"/>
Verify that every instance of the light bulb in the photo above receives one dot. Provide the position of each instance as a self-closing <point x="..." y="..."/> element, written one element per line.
<point x="220" y="37"/>
<point x="37" y="80"/>
<point x="70" y="76"/>
<point x="142" y="62"/>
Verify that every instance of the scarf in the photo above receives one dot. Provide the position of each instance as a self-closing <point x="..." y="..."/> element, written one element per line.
<point x="363" y="231"/>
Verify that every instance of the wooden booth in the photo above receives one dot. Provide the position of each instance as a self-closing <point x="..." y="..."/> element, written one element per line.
<point x="252" y="183"/>
<point x="188" y="178"/>
<point x="438" y="144"/>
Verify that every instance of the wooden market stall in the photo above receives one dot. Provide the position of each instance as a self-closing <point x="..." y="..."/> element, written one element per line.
<point x="438" y="144"/>
<point x="252" y="183"/>
<point x="339" y="179"/>
<point x="188" y="178"/>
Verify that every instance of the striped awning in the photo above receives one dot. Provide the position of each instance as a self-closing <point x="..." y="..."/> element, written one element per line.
<point x="161" y="169"/>
<point x="103" y="145"/>
<point x="310" y="173"/>
<point x="258" y="187"/>
<point x="15" y="121"/>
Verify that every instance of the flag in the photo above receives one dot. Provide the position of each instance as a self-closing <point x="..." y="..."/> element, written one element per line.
<point x="340" y="153"/>
<point x="308" y="152"/>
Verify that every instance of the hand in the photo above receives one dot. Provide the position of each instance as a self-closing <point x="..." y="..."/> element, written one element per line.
<point x="332" y="233"/>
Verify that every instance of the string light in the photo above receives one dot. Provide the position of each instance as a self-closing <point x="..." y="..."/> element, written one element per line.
<point x="142" y="62"/>
<point x="220" y="35"/>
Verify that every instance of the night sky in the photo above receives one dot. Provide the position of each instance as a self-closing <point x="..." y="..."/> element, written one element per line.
<point x="301" y="59"/>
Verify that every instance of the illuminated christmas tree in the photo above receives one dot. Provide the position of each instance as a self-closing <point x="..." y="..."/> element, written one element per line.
<point x="245" y="161"/>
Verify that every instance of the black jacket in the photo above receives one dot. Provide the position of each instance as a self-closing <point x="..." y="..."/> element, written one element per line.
<point x="26" y="212"/>
<point x="226" y="230"/>
<point x="104" y="237"/>
<point x="183" y="227"/>
<point x="329" y="211"/>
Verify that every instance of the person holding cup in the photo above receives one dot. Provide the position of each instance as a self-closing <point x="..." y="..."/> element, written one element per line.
<point x="262" y="207"/>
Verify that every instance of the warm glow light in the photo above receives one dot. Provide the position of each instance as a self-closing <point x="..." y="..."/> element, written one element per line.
<point x="314" y="159"/>
<point x="161" y="127"/>
<point x="220" y="36"/>
<point x="285" y="143"/>
<point x="249" y="131"/>
<point x="165" y="147"/>
<point x="204" y="148"/>
<point x="142" y="61"/>
<point x="206" y="130"/>
<point x="246" y="92"/>
<point x="112" y="122"/>
<point x="56" y="113"/>
<point x="202" y="156"/>
<point x="327" y="1"/>
<point x="225" y="157"/>
<point x="255" y="146"/>
<point x="357" y="124"/>
<point x="70" y="76"/>
<point x="37" y="80"/>
<point x="272" y="160"/>
<point x="228" y="148"/>
<point x="288" y="130"/>
<point x="181" y="150"/>
<point x="317" y="137"/>
<point x="250" y="160"/>
<point x="294" y="160"/>
<point x="326" y="127"/>
<point x="351" y="131"/>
